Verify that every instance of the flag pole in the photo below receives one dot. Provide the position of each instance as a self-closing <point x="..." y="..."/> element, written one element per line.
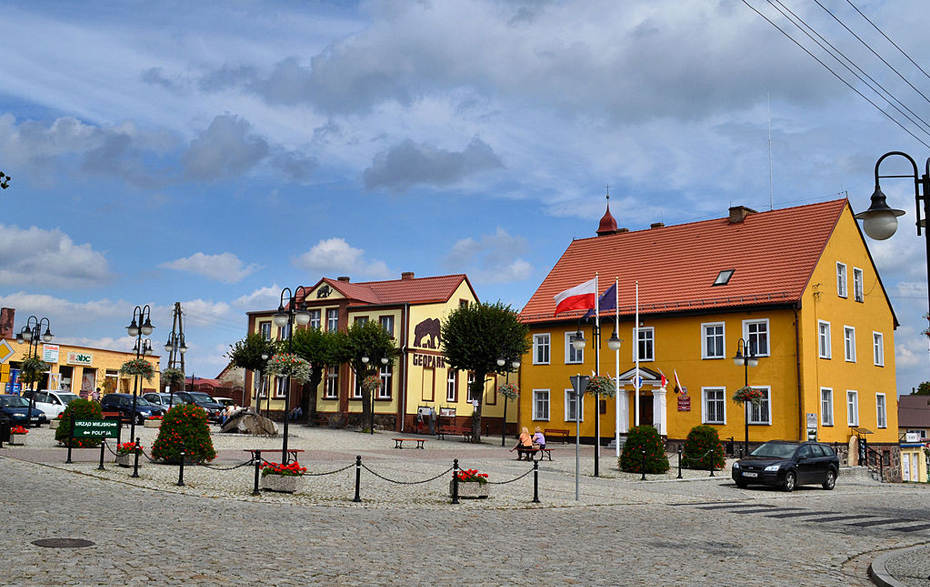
<point x="636" y="378"/>
<point x="597" y="370"/>
<point x="617" y="367"/>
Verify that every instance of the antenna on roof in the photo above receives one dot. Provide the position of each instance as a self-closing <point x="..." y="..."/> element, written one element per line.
<point x="771" y="168"/>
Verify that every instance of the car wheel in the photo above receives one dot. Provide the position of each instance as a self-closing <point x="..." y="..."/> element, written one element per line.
<point x="742" y="484"/>
<point x="140" y="420"/>
<point x="790" y="482"/>
<point x="830" y="481"/>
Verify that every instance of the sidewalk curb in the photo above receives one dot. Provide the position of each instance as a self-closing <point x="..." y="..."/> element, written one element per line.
<point x="879" y="573"/>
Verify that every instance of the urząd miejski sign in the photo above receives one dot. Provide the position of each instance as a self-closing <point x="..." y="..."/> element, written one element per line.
<point x="96" y="428"/>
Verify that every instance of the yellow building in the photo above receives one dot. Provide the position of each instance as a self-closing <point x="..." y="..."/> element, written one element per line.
<point x="795" y="286"/>
<point x="411" y="309"/>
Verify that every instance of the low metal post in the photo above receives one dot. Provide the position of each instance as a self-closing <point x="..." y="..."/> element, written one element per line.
<point x="257" y="458"/>
<point x="535" y="481"/>
<point x="70" y="440"/>
<point x="455" y="481"/>
<point x="181" y="471"/>
<point x="358" y="478"/>
<point x="679" y="461"/>
<point x="135" y="464"/>
<point x="643" y="478"/>
<point x="103" y="445"/>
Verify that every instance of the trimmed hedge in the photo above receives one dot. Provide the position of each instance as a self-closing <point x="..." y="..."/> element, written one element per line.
<point x="639" y="438"/>
<point x="702" y="449"/>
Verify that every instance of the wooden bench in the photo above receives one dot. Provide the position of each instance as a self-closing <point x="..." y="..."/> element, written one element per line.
<point x="399" y="442"/>
<point x="557" y="432"/>
<point x="531" y="453"/>
<point x="257" y="452"/>
<point x="455" y="431"/>
<point x="117" y="416"/>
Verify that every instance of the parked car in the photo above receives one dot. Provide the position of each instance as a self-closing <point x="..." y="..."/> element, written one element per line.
<point x="17" y="409"/>
<point x="164" y="400"/>
<point x="787" y="465"/>
<point x="53" y="403"/>
<point x="198" y="398"/>
<point x="226" y="401"/>
<point x="122" y="403"/>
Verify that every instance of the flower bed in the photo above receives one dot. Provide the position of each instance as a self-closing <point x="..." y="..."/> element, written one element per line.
<point x="282" y="478"/>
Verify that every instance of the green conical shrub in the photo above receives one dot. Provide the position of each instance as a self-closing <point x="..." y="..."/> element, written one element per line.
<point x="702" y="449"/>
<point x="639" y="438"/>
<point x="78" y="409"/>
<point x="184" y="427"/>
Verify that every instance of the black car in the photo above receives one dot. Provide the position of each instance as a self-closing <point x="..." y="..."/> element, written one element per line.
<point x="17" y="409"/>
<point x="122" y="403"/>
<point x="787" y="465"/>
<point x="213" y="408"/>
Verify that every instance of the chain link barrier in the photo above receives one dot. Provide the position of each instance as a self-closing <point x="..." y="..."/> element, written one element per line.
<point x="407" y="482"/>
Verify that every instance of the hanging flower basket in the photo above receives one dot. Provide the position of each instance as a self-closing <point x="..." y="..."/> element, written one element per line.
<point x="172" y="376"/>
<point x="289" y="364"/>
<point x="601" y="385"/>
<point x="748" y="394"/>
<point x="33" y="369"/>
<point x="509" y="390"/>
<point x="138" y="367"/>
<point x="371" y="383"/>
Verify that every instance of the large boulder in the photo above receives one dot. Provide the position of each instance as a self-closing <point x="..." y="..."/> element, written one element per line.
<point x="245" y="421"/>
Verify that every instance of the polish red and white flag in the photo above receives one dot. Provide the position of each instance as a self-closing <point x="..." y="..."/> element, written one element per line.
<point x="580" y="297"/>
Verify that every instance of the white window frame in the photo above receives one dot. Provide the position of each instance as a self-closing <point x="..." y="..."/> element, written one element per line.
<point x="452" y="385"/>
<point x="332" y="320"/>
<point x="720" y="339"/>
<point x="264" y="328"/>
<point x="315" y="319"/>
<point x="278" y="386"/>
<point x="826" y="406"/>
<point x="841" y="285"/>
<point x="824" y="343"/>
<point x="849" y="343"/>
<point x="881" y="410"/>
<point x="756" y="334"/>
<point x="572" y="357"/>
<point x="332" y="383"/>
<point x="541" y="403"/>
<point x="355" y="390"/>
<point x="387" y="381"/>
<point x="646" y="336"/>
<point x="542" y="342"/>
<point x="858" y="285"/>
<point x="283" y="331"/>
<point x="878" y="349"/>
<point x="852" y="407"/>
<point x="387" y="323"/>
<point x="722" y="401"/>
<point x="569" y="403"/>
<point x="756" y="415"/>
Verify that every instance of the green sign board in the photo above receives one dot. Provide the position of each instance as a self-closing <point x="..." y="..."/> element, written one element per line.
<point x="96" y="428"/>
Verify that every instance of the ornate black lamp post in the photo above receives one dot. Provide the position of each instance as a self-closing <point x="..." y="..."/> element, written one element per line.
<point x="745" y="356"/>
<point x="881" y="221"/>
<point x="141" y="325"/>
<point x="578" y="343"/>
<point x="514" y="365"/>
<point x="384" y="361"/>
<point x="289" y="316"/>
<point x="32" y="333"/>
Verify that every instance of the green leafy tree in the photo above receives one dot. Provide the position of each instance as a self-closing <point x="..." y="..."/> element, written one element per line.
<point x="78" y="409"/>
<point x="702" y="449"/>
<point x="922" y="389"/>
<point x="184" y="427"/>
<point x="368" y="339"/>
<point x="322" y="350"/>
<point x="640" y="438"/>
<point x="247" y="353"/>
<point x="474" y="336"/>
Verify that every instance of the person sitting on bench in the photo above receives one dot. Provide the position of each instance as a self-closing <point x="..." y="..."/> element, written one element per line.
<point x="524" y="444"/>
<point x="539" y="440"/>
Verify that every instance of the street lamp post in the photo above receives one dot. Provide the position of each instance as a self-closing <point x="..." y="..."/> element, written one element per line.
<point x="881" y="221"/>
<point x="32" y="333"/>
<point x="175" y="347"/>
<point x="258" y="392"/>
<point x="138" y="328"/>
<point x="289" y="317"/>
<point x="578" y="343"/>
<point x="514" y="365"/>
<point x="745" y="356"/>
<point x="371" y="413"/>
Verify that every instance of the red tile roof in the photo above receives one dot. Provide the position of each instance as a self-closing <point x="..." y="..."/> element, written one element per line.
<point x="414" y="290"/>
<point x="773" y="254"/>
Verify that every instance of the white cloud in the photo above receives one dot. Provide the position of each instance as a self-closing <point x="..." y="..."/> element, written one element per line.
<point x="225" y="267"/>
<point x="334" y="257"/>
<point x="494" y="258"/>
<point x="49" y="258"/>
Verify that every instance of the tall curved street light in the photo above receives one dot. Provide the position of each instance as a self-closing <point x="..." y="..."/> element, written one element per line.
<point x="514" y="364"/>
<point x="375" y="360"/>
<point x="745" y="356"/>
<point x="32" y="333"/>
<point x="578" y="342"/>
<point x="140" y="326"/>
<point x="289" y="315"/>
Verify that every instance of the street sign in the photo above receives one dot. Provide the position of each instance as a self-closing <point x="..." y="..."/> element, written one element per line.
<point x="96" y="428"/>
<point x="6" y="351"/>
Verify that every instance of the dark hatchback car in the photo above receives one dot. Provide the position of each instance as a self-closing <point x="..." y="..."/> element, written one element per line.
<point x="122" y="403"/>
<point x="213" y="408"/>
<point x="17" y="409"/>
<point x="787" y="465"/>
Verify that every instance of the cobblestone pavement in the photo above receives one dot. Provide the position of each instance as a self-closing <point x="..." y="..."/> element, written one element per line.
<point x="622" y="531"/>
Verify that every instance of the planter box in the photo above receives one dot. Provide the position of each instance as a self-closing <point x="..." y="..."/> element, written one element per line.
<point x="18" y="439"/>
<point x="127" y="460"/>
<point x="471" y="490"/>
<point x="54" y="423"/>
<point x="152" y="424"/>
<point x="282" y="483"/>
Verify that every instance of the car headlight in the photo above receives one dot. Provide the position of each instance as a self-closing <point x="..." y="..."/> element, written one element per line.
<point x="736" y="465"/>
<point x="19" y="416"/>
<point x="772" y="468"/>
<point x="146" y="413"/>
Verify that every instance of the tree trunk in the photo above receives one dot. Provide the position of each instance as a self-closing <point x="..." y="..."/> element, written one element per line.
<point x="476" y="392"/>
<point x="308" y="403"/>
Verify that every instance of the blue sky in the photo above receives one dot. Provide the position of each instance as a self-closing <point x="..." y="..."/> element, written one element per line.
<point x="213" y="153"/>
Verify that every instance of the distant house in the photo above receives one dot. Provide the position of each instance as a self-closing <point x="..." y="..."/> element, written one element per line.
<point x="914" y="430"/>
<point x="796" y="286"/>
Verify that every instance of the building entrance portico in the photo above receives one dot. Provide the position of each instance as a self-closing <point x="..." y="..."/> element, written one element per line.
<point x="651" y="402"/>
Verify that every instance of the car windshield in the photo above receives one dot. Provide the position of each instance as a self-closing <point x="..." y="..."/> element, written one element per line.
<point x="141" y="401"/>
<point x="201" y="397"/>
<point x="13" y="401"/>
<point x="778" y="450"/>
<point x="67" y="398"/>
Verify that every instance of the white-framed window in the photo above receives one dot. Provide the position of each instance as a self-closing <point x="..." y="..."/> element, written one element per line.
<point x="387" y="379"/>
<point x="852" y="407"/>
<point x="279" y="386"/>
<point x="284" y="331"/>
<point x="756" y="334"/>
<point x="541" y="404"/>
<point x="315" y="319"/>
<point x="387" y="324"/>
<point x="849" y="343"/>
<point x="712" y="339"/>
<point x="826" y="406"/>
<point x="332" y="383"/>
<point x="332" y="320"/>
<point x="572" y="357"/>
<point x="841" y="279"/>
<point x="265" y="329"/>
<point x="713" y="405"/>
<point x="574" y="408"/>
<point x="824" y="339"/>
<point x="356" y="392"/>
<point x="469" y="385"/>
<point x="259" y="385"/>
<point x="452" y="379"/>
<point x="761" y="414"/>
<point x="881" y="413"/>
<point x="541" y="349"/>
<point x="361" y="320"/>
<point x="858" y="288"/>
<point x="878" y="349"/>
<point x="646" y="344"/>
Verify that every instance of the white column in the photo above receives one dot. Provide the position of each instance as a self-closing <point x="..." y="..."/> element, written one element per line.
<point x="660" y="410"/>
<point x="623" y="406"/>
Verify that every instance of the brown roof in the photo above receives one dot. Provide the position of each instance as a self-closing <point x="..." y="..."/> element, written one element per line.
<point x="772" y="254"/>
<point x="412" y="290"/>
<point x="914" y="411"/>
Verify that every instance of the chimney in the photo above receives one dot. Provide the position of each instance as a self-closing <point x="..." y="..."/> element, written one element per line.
<point x="739" y="213"/>
<point x="7" y="315"/>
<point x="406" y="275"/>
<point x="657" y="225"/>
<point x="343" y="278"/>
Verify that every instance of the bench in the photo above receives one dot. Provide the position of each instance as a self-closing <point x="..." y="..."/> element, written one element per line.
<point x="531" y="453"/>
<point x="399" y="442"/>
<point x="557" y="432"/>
<point x="455" y="431"/>
<point x="256" y="453"/>
<point x="116" y="416"/>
